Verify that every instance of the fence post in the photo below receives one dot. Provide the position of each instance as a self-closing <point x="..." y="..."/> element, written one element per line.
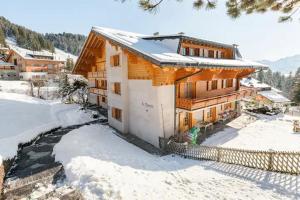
<point x="219" y="154"/>
<point x="270" y="164"/>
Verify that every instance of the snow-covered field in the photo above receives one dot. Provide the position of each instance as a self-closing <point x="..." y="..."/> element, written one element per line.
<point x="23" y="87"/>
<point x="23" y="117"/>
<point x="104" y="166"/>
<point x="266" y="133"/>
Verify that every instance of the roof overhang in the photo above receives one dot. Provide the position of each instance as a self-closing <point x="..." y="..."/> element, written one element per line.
<point x="161" y="63"/>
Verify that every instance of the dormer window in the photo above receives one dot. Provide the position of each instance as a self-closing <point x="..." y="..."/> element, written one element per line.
<point x="192" y="52"/>
<point x="222" y="55"/>
<point x="197" y="52"/>
<point x="187" y="51"/>
<point x="211" y="53"/>
<point x="182" y="50"/>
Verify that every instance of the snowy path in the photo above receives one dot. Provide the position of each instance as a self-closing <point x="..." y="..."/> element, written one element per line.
<point x="104" y="166"/>
<point x="24" y="117"/>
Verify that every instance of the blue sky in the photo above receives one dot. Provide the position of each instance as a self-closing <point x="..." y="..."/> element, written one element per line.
<point x="259" y="36"/>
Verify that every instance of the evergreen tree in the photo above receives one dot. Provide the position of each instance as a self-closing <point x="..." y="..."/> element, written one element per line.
<point x="69" y="64"/>
<point x="260" y="76"/>
<point x="2" y="37"/>
<point x="65" y="87"/>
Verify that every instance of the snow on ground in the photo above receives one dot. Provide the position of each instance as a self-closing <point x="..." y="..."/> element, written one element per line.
<point x="266" y="133"/>
<point x="23" y="117"/>
<point x="23" y="87"/>
<point x="20" y="87"/>
<point x="104" y="166"/>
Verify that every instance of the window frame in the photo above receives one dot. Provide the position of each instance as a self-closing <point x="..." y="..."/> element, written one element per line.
<point x="116" y="113"/>
<point x="229" y="83"/>
<point x="115" y="60"/>
<point x="214" y="84"/>
<point x="117" y="88"/>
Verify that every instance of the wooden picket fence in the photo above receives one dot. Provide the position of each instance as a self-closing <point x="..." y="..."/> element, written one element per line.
<point x="276" y="161"/>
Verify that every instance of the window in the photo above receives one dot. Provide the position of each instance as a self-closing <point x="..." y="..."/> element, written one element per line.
<point x="197" y="52"/>
<point x="227" y="106"/>
<point x="208" y="114"/>
<point x="183" y="51"/>
<point x="192" y="52"/>
<point x="115" y="61"/>
<point x="103" y="84"/>
<point x="207" y="85"/>
<point x="15" y="62"/>
<point x="223" y="84"/>
<point x="229" y="83"/>
<point x="186" y="119"/>
<point x="187" y="51"/>
<point x="103" y="99"/>
<point x="202" y="53"/>
<point x="117" y="88"/>
<point x="211" y="54"/>
<point x="116" y="113"/>
<point x="222" y="55"/>
<point x="214" y="85"/>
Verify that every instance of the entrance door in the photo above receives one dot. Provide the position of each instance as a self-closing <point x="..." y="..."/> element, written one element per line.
<point x="183" y="122"/>
<point x="213" y="111"/>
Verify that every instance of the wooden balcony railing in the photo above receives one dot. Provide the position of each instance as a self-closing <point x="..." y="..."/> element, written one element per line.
<point x="193" y="104"/>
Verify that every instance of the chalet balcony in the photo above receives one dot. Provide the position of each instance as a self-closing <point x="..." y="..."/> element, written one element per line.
<point x="100" y="91"/>
<point x="194" y="104"/>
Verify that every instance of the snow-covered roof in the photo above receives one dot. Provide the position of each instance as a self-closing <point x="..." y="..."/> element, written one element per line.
<point x="252" y="82"/>
<point x="274" y="96"/>
<point x="58" y="55"/>
<point x="164" y="50"/>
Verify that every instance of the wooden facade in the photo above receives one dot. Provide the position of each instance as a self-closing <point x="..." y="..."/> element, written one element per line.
<point x="35" y="65"/>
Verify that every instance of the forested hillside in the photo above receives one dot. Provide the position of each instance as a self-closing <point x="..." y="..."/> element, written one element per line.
<point x="68" y="42"/>
<point x="24" y="37"/>
<point x="32" y="40"/>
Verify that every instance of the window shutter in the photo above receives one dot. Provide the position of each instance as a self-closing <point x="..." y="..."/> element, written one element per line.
<point x="111" y="61"/>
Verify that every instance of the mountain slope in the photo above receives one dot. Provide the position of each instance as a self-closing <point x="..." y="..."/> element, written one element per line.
<point x="68" y="42"/>
<point x="284" y="65"/>
<point x="24" y="37"/>
<point x="28" y="39"/>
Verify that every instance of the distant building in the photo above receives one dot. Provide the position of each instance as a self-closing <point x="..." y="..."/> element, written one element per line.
<point x="38" y="65"/>
<point x="160" y="86"/>
<point x="266" y="95"/>
<point x="8" y="71"/>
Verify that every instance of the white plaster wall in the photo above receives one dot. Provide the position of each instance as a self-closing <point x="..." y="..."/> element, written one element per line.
<point x="151" y="110"/>
<point x="117" y="74"/>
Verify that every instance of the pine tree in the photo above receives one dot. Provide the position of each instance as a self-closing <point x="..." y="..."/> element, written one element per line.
<point x="260" y="76"/>
<point x="2" y="37"/>
<point x="69" y="64"/>
<point x="236" y="7"/>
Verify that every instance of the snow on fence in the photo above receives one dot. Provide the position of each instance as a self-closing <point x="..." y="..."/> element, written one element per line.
<point x="277" y="161"/>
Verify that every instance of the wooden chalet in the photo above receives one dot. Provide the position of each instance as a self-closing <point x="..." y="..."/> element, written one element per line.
<point x="35" y="65"/>
<point x="160" y="86"/>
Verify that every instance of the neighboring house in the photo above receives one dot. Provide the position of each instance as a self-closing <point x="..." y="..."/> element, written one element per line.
<point x="266" y="95"/>
<point x="37" y="65"/>
<point x="159" y="86"/>
<point x="8" y="71"/>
